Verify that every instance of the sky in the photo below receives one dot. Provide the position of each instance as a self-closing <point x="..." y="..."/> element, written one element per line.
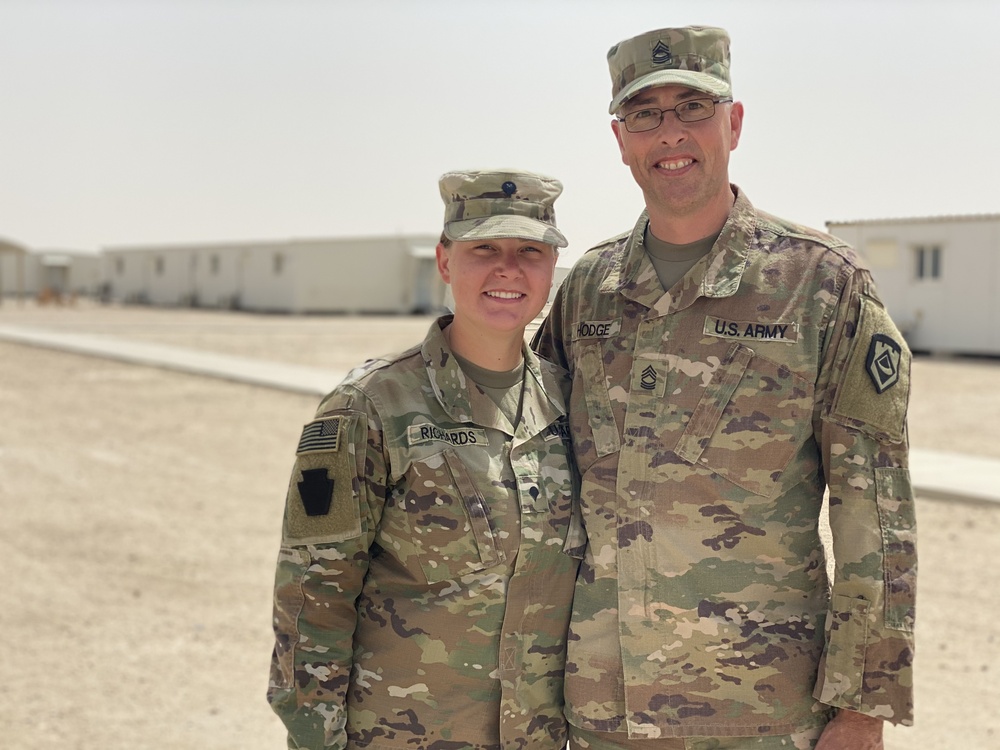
<point x="187" y="121"/>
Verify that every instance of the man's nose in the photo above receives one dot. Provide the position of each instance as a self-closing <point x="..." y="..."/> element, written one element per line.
<point x="671" y="132"/>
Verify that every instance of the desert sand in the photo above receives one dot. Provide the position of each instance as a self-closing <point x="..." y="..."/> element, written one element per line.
<point x="140" y="513"/>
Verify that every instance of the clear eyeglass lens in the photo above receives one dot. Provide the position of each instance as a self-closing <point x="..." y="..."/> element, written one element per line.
<point x="694" y="110"/>
<point x="690" y="111"/>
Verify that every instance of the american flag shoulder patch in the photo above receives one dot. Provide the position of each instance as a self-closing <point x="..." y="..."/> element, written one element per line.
<point x="321" y="436"/>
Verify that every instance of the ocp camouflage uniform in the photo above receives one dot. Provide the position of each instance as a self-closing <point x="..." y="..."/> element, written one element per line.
<point x="424" y="583"/>
<point x="706" y="423"/>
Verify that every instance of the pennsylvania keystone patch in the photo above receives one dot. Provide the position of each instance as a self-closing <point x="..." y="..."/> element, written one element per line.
<point x="316" y="491"/>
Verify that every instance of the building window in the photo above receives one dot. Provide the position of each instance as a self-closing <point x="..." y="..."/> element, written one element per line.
<point x="159" y="266"/>
<point x="279" y="263"/>
<point x="119" y="266"/>
<point x="214" y="264"/>
<point x="928" y="261"/>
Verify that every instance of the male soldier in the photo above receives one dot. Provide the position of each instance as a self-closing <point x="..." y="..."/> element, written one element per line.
<point x="728" y="367"/>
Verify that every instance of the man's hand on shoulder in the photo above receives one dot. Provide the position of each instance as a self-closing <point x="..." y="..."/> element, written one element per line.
<point x="850" y="730"/>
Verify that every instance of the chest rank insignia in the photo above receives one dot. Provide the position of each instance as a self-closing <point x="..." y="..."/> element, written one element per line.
<point x="883" y="362"/>
<point x="648" y="378"/>
<point x="661" y="54"/>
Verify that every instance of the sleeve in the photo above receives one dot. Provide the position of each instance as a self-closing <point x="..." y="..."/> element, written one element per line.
<point x="860" y="423"/>
<point x="548" y="340"/>
<point x="334" y="503"/>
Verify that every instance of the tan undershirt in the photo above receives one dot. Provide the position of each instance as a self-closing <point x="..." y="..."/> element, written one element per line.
<point x="503" y="386"/>
<point x="672" y="262"/>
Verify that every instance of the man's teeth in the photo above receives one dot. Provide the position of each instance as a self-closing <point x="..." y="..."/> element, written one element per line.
<point x="505" y="295"/>
<point x="671" y="165"/>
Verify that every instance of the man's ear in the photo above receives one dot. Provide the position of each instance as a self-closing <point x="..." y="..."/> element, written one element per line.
<point x="735" y="124"/>
<point x="616" y="126"/>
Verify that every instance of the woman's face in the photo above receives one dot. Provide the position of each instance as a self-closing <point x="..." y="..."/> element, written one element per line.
<point x="498" y="285"/>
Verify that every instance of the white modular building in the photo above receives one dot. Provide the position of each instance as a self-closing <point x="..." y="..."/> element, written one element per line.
<point x="55" y="273"/>
<point x="938" y="276"/>
<point x="353" y="275"/>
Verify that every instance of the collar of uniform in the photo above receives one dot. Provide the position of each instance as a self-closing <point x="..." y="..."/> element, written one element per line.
<point x="543" y="403"/>
<point x="451" y="386"/>
<point x="728" y="258"/>
<point x="717" y="275"/>
<point x="630" y="272"/>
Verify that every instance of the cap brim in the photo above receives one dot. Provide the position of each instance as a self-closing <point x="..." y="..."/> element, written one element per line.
<point x="690" y="78"/>
<point x="503" y="227"/>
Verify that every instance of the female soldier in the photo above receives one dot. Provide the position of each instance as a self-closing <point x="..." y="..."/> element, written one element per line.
<point x="431" y="538"/>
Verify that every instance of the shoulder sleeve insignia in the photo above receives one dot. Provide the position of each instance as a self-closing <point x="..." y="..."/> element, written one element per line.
<point x="319" y="436"/>
<point x="883" y="360"/>
<point x="316" y="491"/>
<point x="874" y="376"/>
<point x="325" y="492"/>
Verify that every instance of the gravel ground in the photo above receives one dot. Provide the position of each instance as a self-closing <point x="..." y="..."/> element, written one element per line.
<point x="139" y="518"/>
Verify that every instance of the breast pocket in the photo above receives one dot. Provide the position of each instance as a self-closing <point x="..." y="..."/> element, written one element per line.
<point x="751" y="420"/>
<point x="592" y="421"/>
<point x="449" y="521"/>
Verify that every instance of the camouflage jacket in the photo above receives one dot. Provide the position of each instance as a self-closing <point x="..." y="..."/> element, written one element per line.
<point x="707" y="423"/>
<point x="428" y="559"/>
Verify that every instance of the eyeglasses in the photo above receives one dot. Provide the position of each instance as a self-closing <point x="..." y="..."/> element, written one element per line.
<point x="692" y="110"/>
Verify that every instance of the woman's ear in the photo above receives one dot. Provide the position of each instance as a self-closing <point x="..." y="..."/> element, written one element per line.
<point x="443" y="261"/>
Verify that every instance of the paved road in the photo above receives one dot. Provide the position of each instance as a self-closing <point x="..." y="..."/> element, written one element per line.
<point x="947" y="474"/>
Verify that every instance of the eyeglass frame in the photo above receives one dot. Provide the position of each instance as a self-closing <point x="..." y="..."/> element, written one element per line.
<point x="676" y="113"/>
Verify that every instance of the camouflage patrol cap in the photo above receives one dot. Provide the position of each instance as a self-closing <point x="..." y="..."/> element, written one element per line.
<point x="693" y="56"/>
<point x="494" y="204"/>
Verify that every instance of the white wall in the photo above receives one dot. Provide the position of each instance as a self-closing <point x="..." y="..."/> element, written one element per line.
<point x="126" y="272"/>
<point x="18" y="273"/>
<point x="85" y="274"/>
<point x="268" y="280"/>
<point x="957" y="312"/>
<point x="363" y="275"/>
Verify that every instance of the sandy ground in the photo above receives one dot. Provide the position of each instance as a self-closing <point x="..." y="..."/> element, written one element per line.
<point x="139" y="518"/>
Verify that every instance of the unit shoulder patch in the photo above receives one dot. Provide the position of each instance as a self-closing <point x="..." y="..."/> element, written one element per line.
<point x="882" y="363"/>
<point x="874" y="389"/>
<point x="323" y="503"/>
<point x="316" y="491"/>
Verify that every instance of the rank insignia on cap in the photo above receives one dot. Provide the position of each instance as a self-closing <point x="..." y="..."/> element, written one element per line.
<point x="316" y="491"/>
<point x="883" y="362"/>
<point x="661" y="54"/>
<point x="509" y="188"/>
